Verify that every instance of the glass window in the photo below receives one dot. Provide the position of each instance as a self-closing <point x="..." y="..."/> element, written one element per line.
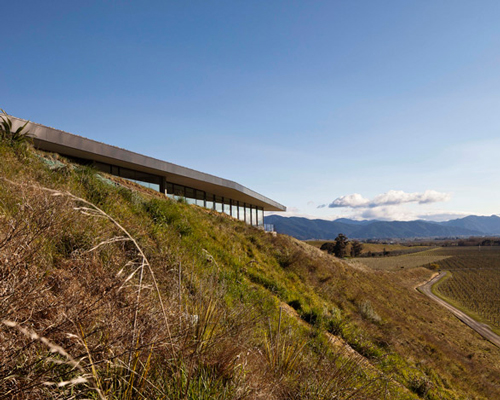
<point x="248" y="214"/>
<point x="241" y="212"/>
<point x="179" y="191"/>
<point x="234" y="209"/>
<point x="200" y="198"/>
<point x="260" y="217"/>
<point x="147" y="180"/>
<point x="218" y="203"/>
<point x="105" y="168"/>
<point x="253" y="215"/>
<point x="227" y="206"/>
<point x="210" y="201"/>
<point x="153" y="186"/>
<point x="190" y="195"/>
<point x="170" y="188"/>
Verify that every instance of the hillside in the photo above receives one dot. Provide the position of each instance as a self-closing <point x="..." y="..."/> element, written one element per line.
<point x="305" y="229"/>
<point x="486" y="225"/>
<point x="109" y="290"/>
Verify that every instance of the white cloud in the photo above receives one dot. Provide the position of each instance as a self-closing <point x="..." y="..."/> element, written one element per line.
<point x="295" y="212"/>
<point x="387" y="213"/>
<point x="351" y="200"/>
<point x="440" y="216"/>
<point x="401" y="213"/>
<point x="390" y="198"/>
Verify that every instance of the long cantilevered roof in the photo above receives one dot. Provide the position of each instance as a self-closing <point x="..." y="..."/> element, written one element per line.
<point x="57" y="141"/>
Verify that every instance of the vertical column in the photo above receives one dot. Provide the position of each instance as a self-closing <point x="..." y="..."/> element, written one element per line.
<point x="163" y="185"/>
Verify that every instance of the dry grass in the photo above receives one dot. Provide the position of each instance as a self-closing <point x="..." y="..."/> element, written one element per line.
<point x="86" y="269"/>
<point x="424" y="258"/>
<point x="108" y="322"/>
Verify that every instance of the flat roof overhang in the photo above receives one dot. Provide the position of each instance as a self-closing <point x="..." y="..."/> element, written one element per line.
<point x="57" y="141"/>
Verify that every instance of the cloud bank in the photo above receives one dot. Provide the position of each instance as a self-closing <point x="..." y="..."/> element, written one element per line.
<point x="397" y="213"/>
<point x="391" y="198"/>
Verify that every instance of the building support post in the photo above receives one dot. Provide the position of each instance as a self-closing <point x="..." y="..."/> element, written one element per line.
<point x="163" y="185"/>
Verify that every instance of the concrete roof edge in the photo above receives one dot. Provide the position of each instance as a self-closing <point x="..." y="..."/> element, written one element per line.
<point x="114" y="152"/>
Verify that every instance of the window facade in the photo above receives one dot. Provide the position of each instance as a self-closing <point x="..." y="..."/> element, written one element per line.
<point x="251" y="214"/>
<point x="234" y="209"/>
<point x="147" y="180"/>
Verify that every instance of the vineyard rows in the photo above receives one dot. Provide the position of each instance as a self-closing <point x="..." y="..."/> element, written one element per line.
<point x="423" y="258"/>
<point x="475" y="281"/>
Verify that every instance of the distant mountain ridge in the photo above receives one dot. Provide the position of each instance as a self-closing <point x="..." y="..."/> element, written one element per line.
<point x="303" y="228"/>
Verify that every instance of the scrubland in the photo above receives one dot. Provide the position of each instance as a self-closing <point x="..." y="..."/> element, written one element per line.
<point x="112" y="291"/>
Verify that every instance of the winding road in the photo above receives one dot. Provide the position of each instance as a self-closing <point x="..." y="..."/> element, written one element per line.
<point x="482" y="329"/>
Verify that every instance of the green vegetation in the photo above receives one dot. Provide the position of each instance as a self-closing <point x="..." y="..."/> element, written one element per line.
<point x="356" y="248"/>
<point x="375" y="249"/>
<point x="10" y="136"/>
<point x="339" y="246"/>
<point x="111" y="291"/>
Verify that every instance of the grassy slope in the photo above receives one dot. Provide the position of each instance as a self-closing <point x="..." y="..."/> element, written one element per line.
<point x="220" y="335"/>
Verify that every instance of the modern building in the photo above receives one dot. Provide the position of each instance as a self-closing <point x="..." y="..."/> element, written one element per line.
<point x="173" y="180"/>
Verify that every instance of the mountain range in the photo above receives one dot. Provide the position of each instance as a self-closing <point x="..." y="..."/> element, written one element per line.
<point x="303" y="228"/>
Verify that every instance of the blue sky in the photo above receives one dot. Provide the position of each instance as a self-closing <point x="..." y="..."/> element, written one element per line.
<point x="311" y="103"/>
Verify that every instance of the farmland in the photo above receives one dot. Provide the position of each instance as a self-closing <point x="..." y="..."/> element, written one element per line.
<point x="376" y="248"/>
<point x="422" y="258"/>
<point x="475" y="280"/>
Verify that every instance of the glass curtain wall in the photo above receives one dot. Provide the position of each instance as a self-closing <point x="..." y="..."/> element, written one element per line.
<point x="218" y="203"/>
<point x="260" y="216"/>
<point x="234" y="209"/>
<point x="241" y="212"/>
<point x="210" y="201"/>
<point x="248" y="214"/>
<point x="179" y="192"/>
<point x="252" y="215"/>
<point x="142" y="178"/>
<point x="200" y="198"/>
<point x="227" y="206"/>
<point x="170" y="190"/>
<point x="244" y="212"/>
<point x="190" y="197"/>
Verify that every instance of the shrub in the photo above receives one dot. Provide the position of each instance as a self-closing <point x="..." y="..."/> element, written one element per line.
<point x="12" y="137"/>
<point x="367" y="311"/>
<point x="295" y="304"/>
<point x="335" y="324"/>
<point x="313" y="317"/>
<point x="419" y="385"/>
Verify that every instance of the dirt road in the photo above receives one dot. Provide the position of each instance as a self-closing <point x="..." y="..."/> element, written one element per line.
<point x="482" y="329"/>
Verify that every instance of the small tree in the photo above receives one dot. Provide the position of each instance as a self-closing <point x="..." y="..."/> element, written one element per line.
<point x="329" y="247"/>
<point x="340" y="248"/>
<point x="356" y="248"/>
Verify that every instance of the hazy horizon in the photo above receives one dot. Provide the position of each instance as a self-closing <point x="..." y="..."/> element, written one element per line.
<point x="312" y="217"/>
